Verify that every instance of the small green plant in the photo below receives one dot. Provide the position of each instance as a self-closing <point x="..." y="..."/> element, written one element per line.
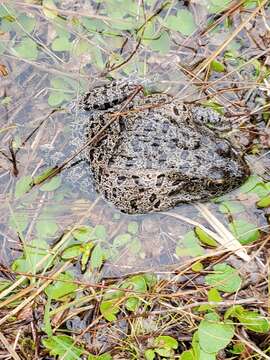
<point x="164" y="346"/>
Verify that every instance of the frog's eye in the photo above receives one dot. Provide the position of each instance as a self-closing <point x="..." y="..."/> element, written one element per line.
<point x="217" y="175"/>
<point x="175" y="111"/>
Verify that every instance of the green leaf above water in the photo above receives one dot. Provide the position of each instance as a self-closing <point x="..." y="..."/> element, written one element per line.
<point x="165" y="341"/>
<point x="238" y="348"/>
<point x="71" y="252"/>
<point x="109" y="309"/>
<point x="214" y="105"/>
<point x="105" y="356"/>
<point x="63" y="345"/>
<point x="214" y="336"/>
<point x="255" y="184"/>
<point x="204" y="237"/>
<point x="213" y="295"/>
<point x="63" y="286"/>
<point x="217" y="66"/>
<point x="245" y="232"/>
<point x="251" y="320"/>
<point x="251" y="4"/>
<point x="40" y="178"/>
<point x="264" y="202"/>
<point x="197" y="352"/>
<point x="86" y="252"/>
<point x="224" y="278"/>
<point x="149" y="354"/>
<point x="97" y="257"/>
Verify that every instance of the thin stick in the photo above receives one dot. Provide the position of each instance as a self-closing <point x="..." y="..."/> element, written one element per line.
<point x="9" y="347"/>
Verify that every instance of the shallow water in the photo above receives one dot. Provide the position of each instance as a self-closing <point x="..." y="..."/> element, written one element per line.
<point x="66" y="51"/>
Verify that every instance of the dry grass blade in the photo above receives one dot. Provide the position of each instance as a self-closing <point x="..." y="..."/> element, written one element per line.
<point x="195" y="223"/>
<point x="225" y="238"/>
<point x="223" y="46"/>
<point x="9" y="348"/>
<point x="252" y="346"/>
<point x="230" y="38"/>
<point x="36" y="293"/>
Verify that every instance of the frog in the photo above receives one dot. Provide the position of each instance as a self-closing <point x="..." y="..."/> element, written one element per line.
<point x="154" y="151"/>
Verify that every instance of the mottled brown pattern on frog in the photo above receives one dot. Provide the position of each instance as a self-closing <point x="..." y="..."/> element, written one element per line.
<point x="152" y="159"/>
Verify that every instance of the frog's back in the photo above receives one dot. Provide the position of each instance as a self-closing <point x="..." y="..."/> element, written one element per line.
<point x="155" y="156"/>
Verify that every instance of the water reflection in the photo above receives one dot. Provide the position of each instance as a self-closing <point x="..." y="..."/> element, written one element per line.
<point x="55" y="79"/>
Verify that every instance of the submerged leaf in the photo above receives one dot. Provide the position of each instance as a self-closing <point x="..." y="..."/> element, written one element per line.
<point x="52" y="184"/>
<point x="26" y="49"/>
<point x="183" y="22"/>
<point x="23" y="185"/>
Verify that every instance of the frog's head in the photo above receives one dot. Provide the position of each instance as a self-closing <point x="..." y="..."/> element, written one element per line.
<point x="226" y="171"/>
<point x="107" y="96"/>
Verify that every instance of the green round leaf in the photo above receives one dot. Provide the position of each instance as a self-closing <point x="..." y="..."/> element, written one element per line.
<point x="51" y="185"/>
<point x="133" y="227"/>
<point x="109" y="309"/>
<point x="225" y="278"/>
<point x="231" y="207"/>
<point x="23" y="185"/>
<point x="46" y="228"/>
<point x="63" y="286"/>
<point x="204" y="237"/>
<point x="149" y="354"/>
<point x="264" y="202"/>
<point x="27" y="22"/>
<point x="244" y="231"/>
<point x="183" y="22"/>
<point x="61" y="44"/>
<point x="26" y="49"/>
<point x="83" y="233"/>
<point x="217" y="66"/>
<point x="121" y="240"/>
<point x="214" y="336"/>
<point x="165" y="341"/>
